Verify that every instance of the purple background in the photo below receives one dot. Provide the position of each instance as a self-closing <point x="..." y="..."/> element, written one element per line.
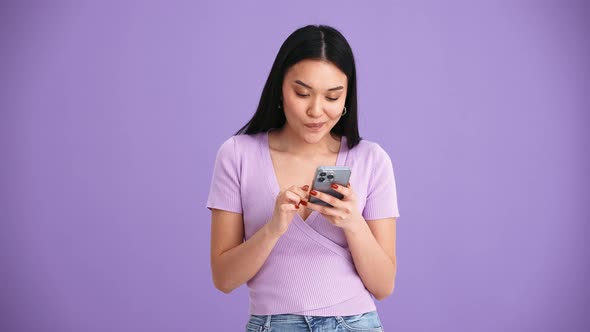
<point x="111" y="115"/>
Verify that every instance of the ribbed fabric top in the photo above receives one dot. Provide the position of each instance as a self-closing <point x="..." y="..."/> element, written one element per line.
<point x="310" y="270"/>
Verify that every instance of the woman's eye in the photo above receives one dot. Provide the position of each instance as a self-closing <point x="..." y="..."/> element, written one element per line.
<point x="302" y="95"/>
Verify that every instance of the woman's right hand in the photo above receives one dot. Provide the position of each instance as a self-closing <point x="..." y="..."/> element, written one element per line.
<point x="286" y="205"/>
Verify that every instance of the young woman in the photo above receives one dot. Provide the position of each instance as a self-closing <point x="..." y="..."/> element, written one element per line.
<point x="309" y="267"/>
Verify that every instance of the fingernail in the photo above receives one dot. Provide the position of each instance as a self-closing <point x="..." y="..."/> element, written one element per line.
<point x="304" y="203"/>
<point x="335" y="186"/>
<point x="306" y="187"/>
<point x="313" y="192"/>
<point x="297" y="206"/>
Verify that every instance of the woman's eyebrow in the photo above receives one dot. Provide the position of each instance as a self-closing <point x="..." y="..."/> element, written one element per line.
<point x="309" y="87"/>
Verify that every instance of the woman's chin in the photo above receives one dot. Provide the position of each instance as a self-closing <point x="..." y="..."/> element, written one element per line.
<point x="313" y="138"/>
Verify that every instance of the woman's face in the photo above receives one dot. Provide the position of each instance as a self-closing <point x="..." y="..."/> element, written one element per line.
<point x="314" y="92"/>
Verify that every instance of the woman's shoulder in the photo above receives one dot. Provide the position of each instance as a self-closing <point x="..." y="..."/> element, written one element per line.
<point x="241" y="143"/>
<point x="243" y="139"/>
<point x="367" y="148"/>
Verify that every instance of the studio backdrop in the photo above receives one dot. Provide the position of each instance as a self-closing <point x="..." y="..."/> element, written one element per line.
<point x="111" y="114"/>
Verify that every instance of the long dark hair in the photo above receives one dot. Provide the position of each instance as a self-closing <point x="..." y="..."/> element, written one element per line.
<point x="310" y="42"/>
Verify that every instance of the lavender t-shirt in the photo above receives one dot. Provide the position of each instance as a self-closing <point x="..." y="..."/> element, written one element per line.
<point x="310" y="270"/>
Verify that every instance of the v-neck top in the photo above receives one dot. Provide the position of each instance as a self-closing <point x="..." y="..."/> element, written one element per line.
<point x="273" y="182"/>
<point x="310" y="270"/>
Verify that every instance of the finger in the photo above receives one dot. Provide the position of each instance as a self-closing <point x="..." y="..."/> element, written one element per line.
<point x="292" y="198"/>
<point x="301" y="191"/>
<point x="335" y="202"/>
<point x="288" y="207"/>
<point x="345" y="191"/>
<point x="320" y="208"/>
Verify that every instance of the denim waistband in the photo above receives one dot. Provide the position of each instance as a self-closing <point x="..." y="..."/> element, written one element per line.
<point x="266" y="320"/>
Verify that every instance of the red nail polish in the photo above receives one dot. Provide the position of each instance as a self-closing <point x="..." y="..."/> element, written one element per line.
<point x="313" y="192"/>
<point x="304" y="203"/>
<point x="335" y="186"/>
<point x="305" y="187"/>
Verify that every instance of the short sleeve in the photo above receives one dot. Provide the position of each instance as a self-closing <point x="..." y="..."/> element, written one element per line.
<point x="381" y="193"/>
<point x="224" y="193"/>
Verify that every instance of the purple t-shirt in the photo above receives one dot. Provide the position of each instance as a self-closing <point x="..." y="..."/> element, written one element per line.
<point x="310" y="270"/>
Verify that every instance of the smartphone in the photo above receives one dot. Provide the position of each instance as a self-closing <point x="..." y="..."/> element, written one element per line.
<point x="323" y="179"/>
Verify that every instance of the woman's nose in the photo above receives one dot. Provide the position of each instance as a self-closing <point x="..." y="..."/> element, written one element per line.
<point x="316" y="108"/>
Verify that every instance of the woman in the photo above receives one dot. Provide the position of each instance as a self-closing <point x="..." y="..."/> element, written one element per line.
<point x="309" y="267"/>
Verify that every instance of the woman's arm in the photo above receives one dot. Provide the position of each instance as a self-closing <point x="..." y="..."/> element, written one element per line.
<point x="372" y="245"/>
<point x="233" y="261"/>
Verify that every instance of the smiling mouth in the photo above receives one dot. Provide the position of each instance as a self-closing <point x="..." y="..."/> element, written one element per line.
<point x="315" y="125"/>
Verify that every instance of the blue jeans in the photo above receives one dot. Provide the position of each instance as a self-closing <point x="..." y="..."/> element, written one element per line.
<point x="368" y="321"/>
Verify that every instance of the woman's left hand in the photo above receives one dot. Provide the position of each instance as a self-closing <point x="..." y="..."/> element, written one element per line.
<point x="344" y="212"/>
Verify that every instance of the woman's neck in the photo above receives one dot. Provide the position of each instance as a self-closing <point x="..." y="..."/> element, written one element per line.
<point x="289" y="142"/>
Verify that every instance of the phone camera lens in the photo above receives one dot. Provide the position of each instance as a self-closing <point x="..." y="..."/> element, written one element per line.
<point x="330" y="176"/>
<point x="321" y="179"/>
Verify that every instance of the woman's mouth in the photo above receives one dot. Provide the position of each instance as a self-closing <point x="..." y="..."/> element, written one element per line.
<point x="315" y="126"/>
